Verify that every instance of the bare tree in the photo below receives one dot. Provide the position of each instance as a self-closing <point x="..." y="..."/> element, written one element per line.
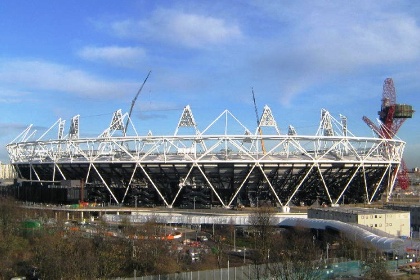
<point x="262" y="223"/>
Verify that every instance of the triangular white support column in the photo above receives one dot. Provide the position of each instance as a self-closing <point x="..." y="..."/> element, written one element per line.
<point x="187" y="120"/>
<point x="344" y="124"/>
<point x="60" y="129"/>
<point x="325" y="126"/>
<point x="74" y="128"/>
<point x="291" y="131"/>
<point x="267" y="120"/>
<point x="117" y="124"/>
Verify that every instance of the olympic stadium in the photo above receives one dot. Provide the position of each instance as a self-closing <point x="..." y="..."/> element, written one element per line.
<point x="205" y="168"/>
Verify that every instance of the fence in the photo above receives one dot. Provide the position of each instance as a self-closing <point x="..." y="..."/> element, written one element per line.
<point x="232" y="273"/>
<point x="332" y="271"/>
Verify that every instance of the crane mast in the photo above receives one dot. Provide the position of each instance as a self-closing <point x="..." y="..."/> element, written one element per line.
<point x="134" y="102"/>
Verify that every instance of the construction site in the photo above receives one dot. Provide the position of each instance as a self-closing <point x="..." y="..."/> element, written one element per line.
<point x="212" y="167"/>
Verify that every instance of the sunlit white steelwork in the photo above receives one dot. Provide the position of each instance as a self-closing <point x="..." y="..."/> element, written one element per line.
<point x="213" y="169"/>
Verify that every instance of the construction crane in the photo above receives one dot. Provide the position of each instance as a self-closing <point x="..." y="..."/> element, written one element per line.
<point x="134" y="102"/>
<point x="258" y="121"/>
<point x="392" y="116"/>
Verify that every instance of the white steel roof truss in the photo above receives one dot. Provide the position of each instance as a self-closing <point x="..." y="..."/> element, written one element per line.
<point x="371" y="150"/>
<point x="22" y="135"/>
<point x="36" y="174"/>
<point x="300" y="184"/>
<point x="48" y="130"/>
<point x="104" y="182"/>
<point x="332" y="147"/>
<point x="242" y="184"/>
<point x="153" y="184"/>
<point x="123" y="148"/>
<point x="225" y="113"/>
<point x="213" y="122"/>
<point x="88" y="173"/>
<point x="268" y="182"/>
<point x="129" y="183"/>
<point x="379" y="183"/>
<point x="146" y="144"/>
<point x="365" y="182"/>
<point x="210" y="149"/>
<point x="171" y="144"/>
<point x="57" y="167"/>
<point x="181" y="185"/>
<point x="391" y="176"/>
<point x="240" y="148"/>
<point x="211" y="186"/>
<point x="354" y="150"/>
<point x="155" y="147"/>
<point x="323" y="182"/>
<point x="348" y="184"/>
<point x="297" y="145"/>
<point x="273" y="149"/>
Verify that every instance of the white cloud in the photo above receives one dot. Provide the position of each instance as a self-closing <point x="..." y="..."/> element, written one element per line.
<point x="8" y="96"/>
<point x="120" y="56"/>
<point x="33" y="75"/>
<point x="331" y="40"/>
<point x="186" y="29"/>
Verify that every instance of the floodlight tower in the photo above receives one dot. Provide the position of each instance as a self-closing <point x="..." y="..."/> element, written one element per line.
<point x="392" y="116"/>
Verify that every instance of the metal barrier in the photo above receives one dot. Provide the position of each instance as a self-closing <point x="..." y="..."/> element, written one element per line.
<point x="247" y="272"/>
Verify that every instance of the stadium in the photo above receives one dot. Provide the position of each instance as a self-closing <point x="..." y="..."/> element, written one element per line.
<point x="205" y="168"/>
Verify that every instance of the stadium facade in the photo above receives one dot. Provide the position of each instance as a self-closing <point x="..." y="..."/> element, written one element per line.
<point x="209" y="168"/>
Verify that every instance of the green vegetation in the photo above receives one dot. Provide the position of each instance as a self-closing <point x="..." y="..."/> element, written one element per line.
<point x="30" y="242"/>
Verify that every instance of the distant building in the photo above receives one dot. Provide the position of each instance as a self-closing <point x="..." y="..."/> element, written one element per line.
<point x="393" y="222"/>
<point x="414" y="215"/>
<point x="7" y="171"/>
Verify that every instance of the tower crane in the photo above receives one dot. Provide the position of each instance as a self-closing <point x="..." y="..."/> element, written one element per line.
<point x="258" y="121"/>
<point x="392" y="116"/>
<point x="134" y="102"/>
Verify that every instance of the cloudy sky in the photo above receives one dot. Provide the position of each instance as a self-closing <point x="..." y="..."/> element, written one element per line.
<point x="63" y="58"/>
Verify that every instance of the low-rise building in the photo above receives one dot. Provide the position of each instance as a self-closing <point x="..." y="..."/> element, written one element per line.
<point x="7" y="171"/>
<point x="392" y="222"/>
<point x="414" y="216"/>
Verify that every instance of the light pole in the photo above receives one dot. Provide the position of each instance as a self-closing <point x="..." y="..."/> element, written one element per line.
<point x="135" y="201"/>
<point x="234" y="238"/>
<point x="328" y="246"/>
<point x="244" y="254"/>
<point x="194" y="202"/>
<point x="228" y="268"/>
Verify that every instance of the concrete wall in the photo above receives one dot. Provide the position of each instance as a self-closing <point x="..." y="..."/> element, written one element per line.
<point x="395" y="223"/>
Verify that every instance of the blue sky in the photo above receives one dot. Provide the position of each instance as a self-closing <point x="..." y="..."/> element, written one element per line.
<point x="63" y="58"/>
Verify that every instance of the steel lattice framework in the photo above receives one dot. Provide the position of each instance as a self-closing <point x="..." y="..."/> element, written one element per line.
<point x="204" y="169"/>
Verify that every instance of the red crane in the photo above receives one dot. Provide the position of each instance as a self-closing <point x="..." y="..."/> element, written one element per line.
<point x="392" y="116"/>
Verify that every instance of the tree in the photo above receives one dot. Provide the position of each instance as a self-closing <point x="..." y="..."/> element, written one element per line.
<point x="375" y="266"/>
<point x="262" y="223"/>
<point x="13" y="247"/>
<point x="295" y="256"/>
